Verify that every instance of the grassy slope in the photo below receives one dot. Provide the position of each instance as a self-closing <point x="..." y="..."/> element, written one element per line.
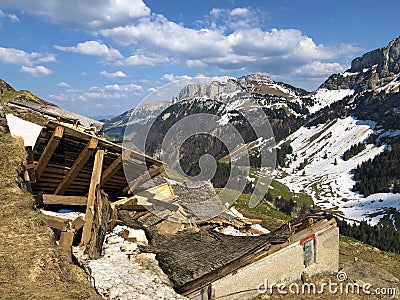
<point x="32" y="266"/>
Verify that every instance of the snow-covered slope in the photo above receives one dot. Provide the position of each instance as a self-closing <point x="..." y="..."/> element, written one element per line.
<point x="326" y="176"/>
<point x="325" y="97"/>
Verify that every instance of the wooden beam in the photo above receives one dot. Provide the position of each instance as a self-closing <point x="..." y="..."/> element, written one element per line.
<point x="142" y="179"/>
<point x="94" y="185"/>
<point x="79" y="163"/>
<point x="100" y="224"/>
<point x="64" y="200"/>
<point x="111" y="170"/>
<point x="56" y="222"/>
<point x="67" y="239"/>
<point x="49" y="150"/>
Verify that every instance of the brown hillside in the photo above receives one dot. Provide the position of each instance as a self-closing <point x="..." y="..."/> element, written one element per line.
<point x="32" y="266"/>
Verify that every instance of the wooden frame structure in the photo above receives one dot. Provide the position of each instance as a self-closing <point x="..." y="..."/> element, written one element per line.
<point x="71" y="167"/>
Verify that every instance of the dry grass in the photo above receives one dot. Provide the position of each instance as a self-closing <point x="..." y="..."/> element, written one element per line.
<point x="31" y="265"/>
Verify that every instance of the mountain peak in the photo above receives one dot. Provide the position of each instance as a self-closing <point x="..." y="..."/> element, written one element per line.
<point x="386" y="59"/>
<point x="241" y="87"/>
<point x="375" y="70"/>
<point x="5" y="87"/>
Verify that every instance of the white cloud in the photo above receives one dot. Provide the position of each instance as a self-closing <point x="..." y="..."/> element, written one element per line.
<point x="19" y="57"/>
<point x="123" y="88"/>
<point x="226" y="40"/>
<point x="216" y="12"/>
<point x="148" y="59"/>
<point x="276" y="51"/>
<point x="15" y="56"/>
<point x="118" y="74"/>
<point x="93" y="48"/>
<point x="83" y="14"/>
<point x="107" y="92"/>
<point x="319" y="69"/>
<point x="63" y="84"/>
<point x="11" y="17"/>
<point x="240" y="12"/>
<point x="171" y="77"/>
<point x="36" y="71"/>
<point x="48" y="58"/>
<point x="60" y="97"/>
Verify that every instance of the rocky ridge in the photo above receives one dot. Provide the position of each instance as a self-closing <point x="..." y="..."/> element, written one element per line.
<point x="233" y="89"/>
<point x="372" y="71"/>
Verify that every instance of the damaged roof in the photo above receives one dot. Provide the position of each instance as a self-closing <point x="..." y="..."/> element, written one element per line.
<point x="192" y="259"/>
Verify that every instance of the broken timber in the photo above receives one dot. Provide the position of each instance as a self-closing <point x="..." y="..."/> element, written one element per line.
<point x="73" y="168"/>
<point x="94" y="183"/>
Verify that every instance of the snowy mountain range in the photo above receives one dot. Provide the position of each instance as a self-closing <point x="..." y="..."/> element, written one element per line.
<point x="360" y="105"/>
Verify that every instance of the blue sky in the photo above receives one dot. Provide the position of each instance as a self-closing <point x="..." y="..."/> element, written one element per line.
<point x="101" y="57"/>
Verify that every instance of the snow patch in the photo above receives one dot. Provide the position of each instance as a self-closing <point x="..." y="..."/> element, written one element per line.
<point x="27" y="130"/>
<point x="325" y="97"/>
<point x="123" y="272"/>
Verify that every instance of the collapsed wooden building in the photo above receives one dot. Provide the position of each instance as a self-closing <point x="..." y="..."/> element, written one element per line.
<point x="70" y="168"/>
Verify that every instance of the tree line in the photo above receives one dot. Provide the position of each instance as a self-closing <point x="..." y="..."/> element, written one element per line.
<point x="353" y="151"/>
<point x="380" y="174"/>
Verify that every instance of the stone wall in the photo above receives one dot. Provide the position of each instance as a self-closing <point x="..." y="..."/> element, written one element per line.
<point x="283" y="266"/>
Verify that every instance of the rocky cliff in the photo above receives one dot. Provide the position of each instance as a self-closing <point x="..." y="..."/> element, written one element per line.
<point x="239" y="88"/>
<point x="373" y="70"/>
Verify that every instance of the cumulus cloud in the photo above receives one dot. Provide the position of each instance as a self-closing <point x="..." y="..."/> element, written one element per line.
<point x="240" y="12"/>
<point x="248" y="49"/>
<point x="227" y="40"/>
<point x="11" y="17"/>
<point x="93" y="48"/>
<point x="319" y="69"/>
<point x="63" y="84"/>
<point x="83" y="14"/>
<point x="146" y="59"/>
<point x="118" y="74"/>
<point x="15" y="56"/>
<point x="123" y="88"/>
<point x="47" y="58"/>
<point x="36" y="71"/>
<point x="107" y="92"/>
<point x="19" y="57"/>
<point x="171" y="77"/>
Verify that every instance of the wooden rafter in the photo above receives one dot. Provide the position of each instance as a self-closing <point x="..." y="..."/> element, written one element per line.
<point x="79" y="163"/>
<point x="111" y="170"/>
<point x="49" y="150"/>
<point x="94" y="182"/>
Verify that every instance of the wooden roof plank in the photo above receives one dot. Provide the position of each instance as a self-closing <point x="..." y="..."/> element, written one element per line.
<point x="77" y="166"/>
<point x="112" y="169"/>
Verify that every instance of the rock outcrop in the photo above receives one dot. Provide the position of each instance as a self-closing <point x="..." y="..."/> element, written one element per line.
<point x="235" y="88"/>
<point x="3" y="122"/>
<point x="372" y="70"/>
